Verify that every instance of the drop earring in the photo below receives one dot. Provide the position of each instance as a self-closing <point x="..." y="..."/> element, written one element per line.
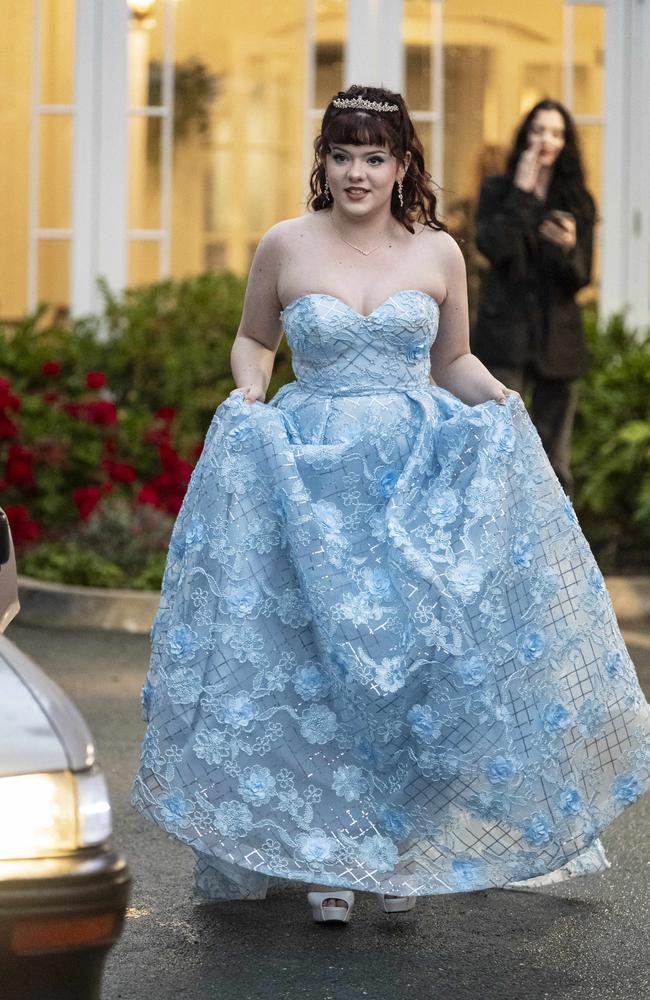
<point x="400" y="194"/>
<point x="326" y="190"/>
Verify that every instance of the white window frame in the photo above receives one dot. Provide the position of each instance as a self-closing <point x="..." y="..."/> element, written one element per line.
<point x="626" y="165"/>
<point x="100" y="233"/>
<point x="36" y="233"/>
<point x="164" y="111"/>
<point x="100" y="152"/>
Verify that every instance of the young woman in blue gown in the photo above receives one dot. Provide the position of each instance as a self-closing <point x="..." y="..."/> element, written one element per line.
<point x="384" y="659"/>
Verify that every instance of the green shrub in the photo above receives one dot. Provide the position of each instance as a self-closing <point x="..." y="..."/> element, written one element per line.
<point x="611" y="446"/>
<point x="70" y="562"/>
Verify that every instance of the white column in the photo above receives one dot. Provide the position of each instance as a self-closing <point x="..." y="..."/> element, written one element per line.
<point x="100" y="162"/>
<point x="625" y="209"/>
<point x="638" y="273"/>
<point x="85" y="166"/>
<point x="374" y="53"/>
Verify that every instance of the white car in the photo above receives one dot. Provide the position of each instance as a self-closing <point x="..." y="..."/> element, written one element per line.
<point x="63" y="889"/>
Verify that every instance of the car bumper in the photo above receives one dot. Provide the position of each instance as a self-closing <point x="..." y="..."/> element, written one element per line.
<point x="58" y="919"/>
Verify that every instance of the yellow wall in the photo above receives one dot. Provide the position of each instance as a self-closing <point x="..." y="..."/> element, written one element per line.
<point x="15" y="69"/>
<point x="55" y="159"/>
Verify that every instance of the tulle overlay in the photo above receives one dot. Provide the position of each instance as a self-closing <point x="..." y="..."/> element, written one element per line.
<point x="384" y="657"/>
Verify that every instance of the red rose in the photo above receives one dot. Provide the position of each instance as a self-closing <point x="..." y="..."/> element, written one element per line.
<point x="184" y="473"/>
<point x="149" y="495"/>
<point x="163" y="483"/>
<point x="5" y="392"/>
<point x="51" y="368"/>
<point x="168" y="457"/>
<point x="166" y="413"/>
<point x="173" y="464"/>
<point x="86" y="499"/>
<point x="121" y="472"/>
<point x="8" y="428"/>
<point x="197" y="449"/>
<point x="23" y="529"/>
<point x="157" y="437"/>
<point x="95" y="380"/>
<point x="50" y="396"/>
<point x="174" y="502"/>
<point x="101" y="412"/>
<point x="13" y="402"/>
<point x="19" y="466"/>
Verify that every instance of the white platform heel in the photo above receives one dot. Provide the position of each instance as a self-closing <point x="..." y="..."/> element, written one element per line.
<point x="398" y="904"/>
<point x="331" y="914"/>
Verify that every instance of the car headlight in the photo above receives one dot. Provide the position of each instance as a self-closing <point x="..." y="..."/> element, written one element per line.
<point x="47" y="814"/>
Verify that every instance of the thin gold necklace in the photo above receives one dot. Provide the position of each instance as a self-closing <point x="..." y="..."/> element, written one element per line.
<point x="354" y="247"/>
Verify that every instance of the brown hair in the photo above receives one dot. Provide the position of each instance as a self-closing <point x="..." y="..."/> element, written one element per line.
<point x="393" y="129"/>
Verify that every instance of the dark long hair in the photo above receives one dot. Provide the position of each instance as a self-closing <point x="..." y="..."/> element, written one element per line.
<point x="393" y="129"/>
<point x="567" y="188"/>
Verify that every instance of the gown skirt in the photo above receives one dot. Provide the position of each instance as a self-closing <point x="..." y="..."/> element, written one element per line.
<point x="384" y="658"/>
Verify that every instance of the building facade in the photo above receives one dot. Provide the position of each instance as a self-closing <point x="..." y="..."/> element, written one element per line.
<point x="146" y="138"/>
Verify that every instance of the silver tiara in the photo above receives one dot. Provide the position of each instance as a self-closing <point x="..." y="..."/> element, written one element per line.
<point x="361" y="102"/>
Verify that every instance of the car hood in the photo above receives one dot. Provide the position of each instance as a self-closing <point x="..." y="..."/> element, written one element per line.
<point x="40" y="728"/>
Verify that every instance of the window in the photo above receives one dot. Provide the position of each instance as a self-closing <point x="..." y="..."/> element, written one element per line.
<point x="235" y="138"/>
<point x="36" y="82"/>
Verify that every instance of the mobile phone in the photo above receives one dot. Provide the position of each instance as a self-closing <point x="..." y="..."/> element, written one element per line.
<point x="558" y="214"/>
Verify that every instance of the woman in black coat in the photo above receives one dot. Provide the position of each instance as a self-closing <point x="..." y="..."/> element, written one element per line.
<point x="535" y="224"/>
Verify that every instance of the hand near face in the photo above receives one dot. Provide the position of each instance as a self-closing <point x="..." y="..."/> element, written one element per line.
<point x="545" y="140"/>
<point x="528" y="165"/>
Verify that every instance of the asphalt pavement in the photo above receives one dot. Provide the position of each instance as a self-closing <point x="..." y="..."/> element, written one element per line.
<point x="584" y="939"/>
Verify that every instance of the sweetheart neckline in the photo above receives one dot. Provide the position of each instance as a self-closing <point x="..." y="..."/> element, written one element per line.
<point x="326" y="295"/>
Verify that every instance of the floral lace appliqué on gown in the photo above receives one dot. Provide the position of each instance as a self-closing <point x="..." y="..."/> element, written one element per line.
<point x="384" y="657"/>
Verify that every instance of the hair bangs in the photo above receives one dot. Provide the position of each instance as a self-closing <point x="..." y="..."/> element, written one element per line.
<point x="358" y="130"/>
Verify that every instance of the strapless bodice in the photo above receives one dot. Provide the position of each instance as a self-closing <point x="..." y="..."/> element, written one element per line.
<point x="334" y="348"/>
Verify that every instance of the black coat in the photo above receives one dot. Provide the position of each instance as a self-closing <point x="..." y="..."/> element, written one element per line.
<point x="527" y="312"/>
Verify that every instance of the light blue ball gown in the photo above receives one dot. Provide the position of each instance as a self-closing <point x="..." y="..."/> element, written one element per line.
<point x="384" y="658"/>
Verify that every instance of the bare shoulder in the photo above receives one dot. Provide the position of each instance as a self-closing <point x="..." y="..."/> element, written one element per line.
<point x="273" y="247"/>
<point x="444" y="255"/>
<point x="283" y="234"/>
<point x="439" y="243"/>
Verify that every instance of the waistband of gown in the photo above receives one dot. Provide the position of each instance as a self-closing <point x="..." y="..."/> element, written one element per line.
<point x="367" y="389"/>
